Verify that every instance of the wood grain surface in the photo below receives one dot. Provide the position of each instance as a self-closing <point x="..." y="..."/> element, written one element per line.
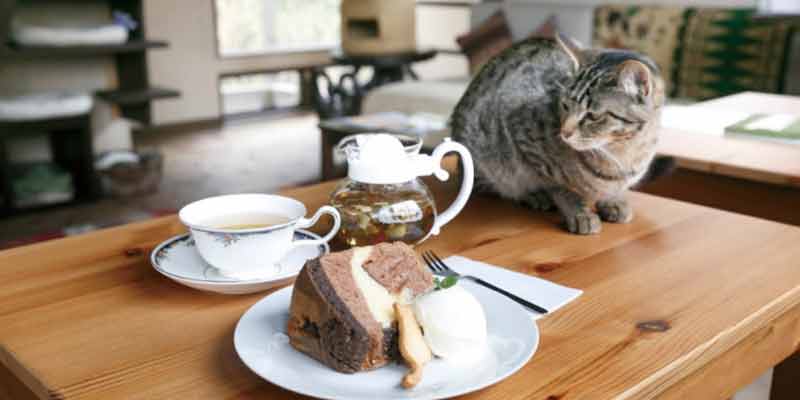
<point x="757" y="160"/>
<point x="685" y="302"/>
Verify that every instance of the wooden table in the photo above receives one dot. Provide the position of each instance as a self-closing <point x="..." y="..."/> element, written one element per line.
<point x="747" y="176"/>
<point x="686" y="302"/>
<point x="756" y="160"/>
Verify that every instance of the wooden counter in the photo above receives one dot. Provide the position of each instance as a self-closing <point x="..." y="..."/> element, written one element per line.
<point x="748" y="176"/>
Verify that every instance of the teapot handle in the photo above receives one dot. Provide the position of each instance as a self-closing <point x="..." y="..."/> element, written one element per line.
<point x="466" y="184"/>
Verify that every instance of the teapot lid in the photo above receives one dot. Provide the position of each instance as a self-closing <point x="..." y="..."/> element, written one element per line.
<point x="381" y="159"/>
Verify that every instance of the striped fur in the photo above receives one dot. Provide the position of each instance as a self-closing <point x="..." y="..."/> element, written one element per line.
<point x="545" y="131"/>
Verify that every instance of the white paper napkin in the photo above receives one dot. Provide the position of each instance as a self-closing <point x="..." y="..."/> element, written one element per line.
<point x="541" y="292"/>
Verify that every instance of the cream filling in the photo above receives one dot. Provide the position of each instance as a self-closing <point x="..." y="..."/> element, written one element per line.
<point x="379" y="301"/>
<point x="454" y="323"/>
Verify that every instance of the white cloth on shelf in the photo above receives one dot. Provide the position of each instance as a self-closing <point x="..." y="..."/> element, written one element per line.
<point x="39" y="106"/>
<point x="36" y="35"/>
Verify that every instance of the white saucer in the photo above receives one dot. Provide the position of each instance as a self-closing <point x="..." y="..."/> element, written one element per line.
<point x="260" y="340"/>
<point x="177" y="259"/>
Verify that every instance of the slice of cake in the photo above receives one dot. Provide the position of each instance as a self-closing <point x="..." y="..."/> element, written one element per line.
<point x="342" y="311"/>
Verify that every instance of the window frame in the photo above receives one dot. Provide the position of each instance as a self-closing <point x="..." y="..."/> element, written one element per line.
<point x="274" y="51"/>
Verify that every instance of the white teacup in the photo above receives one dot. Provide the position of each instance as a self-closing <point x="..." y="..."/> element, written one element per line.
<point x="255" y="252"/>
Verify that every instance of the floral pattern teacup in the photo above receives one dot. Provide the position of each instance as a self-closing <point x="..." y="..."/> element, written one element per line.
<point x="250" y="253"/>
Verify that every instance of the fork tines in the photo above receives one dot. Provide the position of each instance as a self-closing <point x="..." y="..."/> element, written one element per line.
<point x="434" y="262"/>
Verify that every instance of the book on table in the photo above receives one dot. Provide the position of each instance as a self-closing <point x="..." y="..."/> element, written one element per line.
<point x="784" y="127"/>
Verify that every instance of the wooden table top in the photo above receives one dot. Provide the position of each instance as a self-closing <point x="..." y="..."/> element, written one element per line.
<point x="685" y="302"/>
<point x="751" y="159"/>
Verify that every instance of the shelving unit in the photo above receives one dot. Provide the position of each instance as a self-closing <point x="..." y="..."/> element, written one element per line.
<point x="136" y="96"/>
<point x="54" y="124"/>
<point x="71" y="138"/>
<point x="11" y="49"/>
<point x="71" y="145"/>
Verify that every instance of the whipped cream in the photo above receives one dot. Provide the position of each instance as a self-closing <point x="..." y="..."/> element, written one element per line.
<point x="453" y="322"/>
<point x="379" y="301"/>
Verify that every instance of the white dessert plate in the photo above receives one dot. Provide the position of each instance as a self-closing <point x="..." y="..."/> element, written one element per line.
<point x="260" y="340"/>
<point x="177" y="259"/>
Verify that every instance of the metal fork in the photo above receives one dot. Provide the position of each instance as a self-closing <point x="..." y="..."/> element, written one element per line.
<point x="438" y="267"/>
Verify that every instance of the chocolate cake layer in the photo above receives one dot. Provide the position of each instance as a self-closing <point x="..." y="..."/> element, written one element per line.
<point x="326" y="301"/>
<point x="395" y="266"/>
<point x="330" y="317"/>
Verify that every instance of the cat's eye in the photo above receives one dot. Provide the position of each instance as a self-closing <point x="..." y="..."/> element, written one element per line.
<point x="593" y="117"/>
<point x="621" y="118"/>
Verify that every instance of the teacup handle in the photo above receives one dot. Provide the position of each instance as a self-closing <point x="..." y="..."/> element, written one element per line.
<point x="303" y="223"/>
<point x="466" y="183"/>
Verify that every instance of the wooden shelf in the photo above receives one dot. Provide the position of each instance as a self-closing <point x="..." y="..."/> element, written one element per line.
<point x="132" y="46"/>
<point x="11" y="210"/>
<point x="123" y="97"/>
<point x="44" y="125"/>
<point x="70" y="138"/>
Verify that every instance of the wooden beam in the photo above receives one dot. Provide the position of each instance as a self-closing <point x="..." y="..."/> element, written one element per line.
<point x="786" y="379"/>
<point x="764" y="348"/>
<point x="12" y="388"/>
<point x="763" y="200"/>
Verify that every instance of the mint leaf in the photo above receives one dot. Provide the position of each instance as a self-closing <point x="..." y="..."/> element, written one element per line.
<point x="448" y="282"/>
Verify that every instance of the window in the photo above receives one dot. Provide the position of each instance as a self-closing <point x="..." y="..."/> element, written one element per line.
<point x="261" y="26"/>
<point x="260" y="92"/>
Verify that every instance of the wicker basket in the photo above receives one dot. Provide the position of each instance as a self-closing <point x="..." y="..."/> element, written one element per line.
<point x="129" y="179"/>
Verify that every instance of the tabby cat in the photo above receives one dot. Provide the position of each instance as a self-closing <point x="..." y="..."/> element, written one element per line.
<point x="550" y="124"/>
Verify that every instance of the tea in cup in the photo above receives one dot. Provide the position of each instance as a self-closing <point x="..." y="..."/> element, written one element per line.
<point x="245" y="236"/>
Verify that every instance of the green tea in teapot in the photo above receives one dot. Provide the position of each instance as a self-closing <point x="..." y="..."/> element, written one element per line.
<point x="383" y="198"/>
<point x="374" y="213"/>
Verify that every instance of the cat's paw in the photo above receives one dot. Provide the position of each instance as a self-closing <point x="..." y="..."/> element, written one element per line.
<point x="539" y="201"/>
<point x="616" y="210"/>
<point x="583" y="223"/>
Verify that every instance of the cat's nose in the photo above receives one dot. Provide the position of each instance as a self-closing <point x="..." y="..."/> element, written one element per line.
<point x="568" y="130"/>
<point x="568" y="127"/>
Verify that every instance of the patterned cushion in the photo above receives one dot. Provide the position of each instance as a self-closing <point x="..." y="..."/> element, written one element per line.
<point x="650" y="30"/>
<point x="547" y="30"/>
<point x="723" y="52"/>
<point x="494" y="35"/>
<point x="702" y="52"/>
<point x="485" y="41"/>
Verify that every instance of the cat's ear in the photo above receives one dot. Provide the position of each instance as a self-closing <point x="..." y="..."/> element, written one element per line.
<point x="572" y="48"/>
<point x="635" y="78"/>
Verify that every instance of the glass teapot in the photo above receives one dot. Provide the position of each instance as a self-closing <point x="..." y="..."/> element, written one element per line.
<point x="382" y="199"/>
